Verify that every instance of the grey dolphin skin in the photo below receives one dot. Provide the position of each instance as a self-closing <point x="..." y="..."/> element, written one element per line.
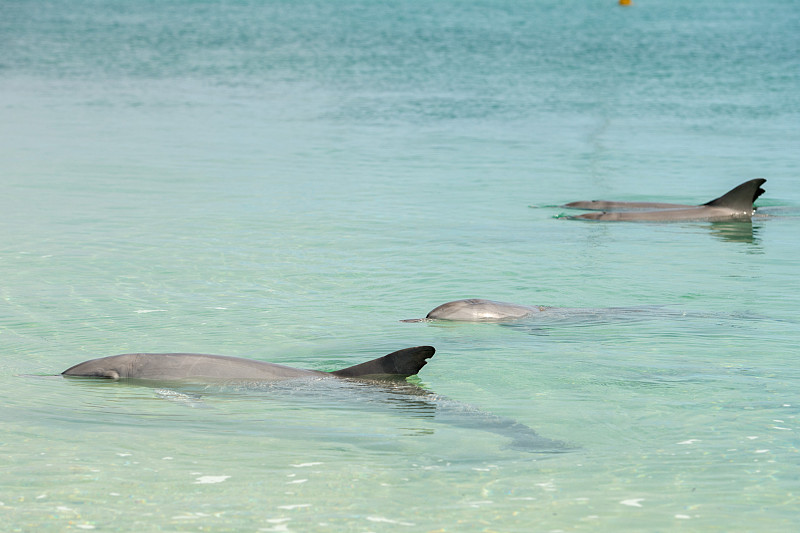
<point x="479" y="310"/>
<point x="736" y="204"/>
<point x="192" y="366"/>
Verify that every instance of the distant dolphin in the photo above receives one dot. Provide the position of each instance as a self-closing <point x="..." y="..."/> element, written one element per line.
<point x="736" y="204"/>
<point x="479" y="310"/>
<point x="183" y="366"/>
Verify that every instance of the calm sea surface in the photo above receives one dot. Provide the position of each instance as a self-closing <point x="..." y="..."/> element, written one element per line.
<point x="287" y="180"/>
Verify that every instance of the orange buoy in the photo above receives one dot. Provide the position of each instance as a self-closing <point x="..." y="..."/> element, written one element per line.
<point x="625" y="2"/>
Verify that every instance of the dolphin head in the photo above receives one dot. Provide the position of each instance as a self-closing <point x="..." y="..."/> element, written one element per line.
<point x="114" y="367"/>
<point x="475" y="309"/>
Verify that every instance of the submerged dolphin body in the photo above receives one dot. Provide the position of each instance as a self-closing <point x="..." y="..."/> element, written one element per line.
<point x="192" y="366"/>
<point x="736" y="204"/>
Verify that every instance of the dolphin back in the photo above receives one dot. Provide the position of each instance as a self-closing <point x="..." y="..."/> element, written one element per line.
<point x="606" y="205"/>
<point x="741" y="197"/>
<point x="179" y="366"/>
<point x="169" y="366"/>
<point x="401" y="364"/>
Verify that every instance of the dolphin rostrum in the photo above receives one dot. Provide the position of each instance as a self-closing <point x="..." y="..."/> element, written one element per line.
<point x="193" y="366"/>
<point x="736" y="204"/>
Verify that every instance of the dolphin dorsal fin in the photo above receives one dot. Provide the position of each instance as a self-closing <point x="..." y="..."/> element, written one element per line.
<point x="741" y="197"/>
<point x="402" y="363"/>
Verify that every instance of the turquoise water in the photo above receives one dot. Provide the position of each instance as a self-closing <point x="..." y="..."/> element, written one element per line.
<point x="286" y="181"/>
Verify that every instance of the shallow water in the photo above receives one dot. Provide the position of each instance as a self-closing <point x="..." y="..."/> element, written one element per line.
<point x="288" y="181"/>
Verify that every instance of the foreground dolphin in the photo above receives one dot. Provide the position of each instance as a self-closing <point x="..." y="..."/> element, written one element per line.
<point x="736" y="204"/>
<point x="183" y="366"/>
<point x="152" y="369"/>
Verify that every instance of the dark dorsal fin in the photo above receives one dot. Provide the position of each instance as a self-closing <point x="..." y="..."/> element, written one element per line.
<point x="402" y="363"/>
<point x="741" y="197"/>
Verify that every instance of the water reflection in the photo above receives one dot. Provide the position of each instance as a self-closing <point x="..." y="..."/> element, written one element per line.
<point x="735" y="231"/>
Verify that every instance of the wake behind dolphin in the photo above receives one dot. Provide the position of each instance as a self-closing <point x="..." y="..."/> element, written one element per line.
<point x="736" y="204"/>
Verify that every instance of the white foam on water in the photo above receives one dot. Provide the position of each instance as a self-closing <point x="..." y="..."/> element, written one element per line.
<point x="204" y="480"/>
<point x="633" y="502"/>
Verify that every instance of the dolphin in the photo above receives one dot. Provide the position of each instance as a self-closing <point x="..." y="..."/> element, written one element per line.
<point x="193" y="366"/>
<point x="363" y="381"/>
<point x="479" y="310"/>
<point x="736" y="204"/>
